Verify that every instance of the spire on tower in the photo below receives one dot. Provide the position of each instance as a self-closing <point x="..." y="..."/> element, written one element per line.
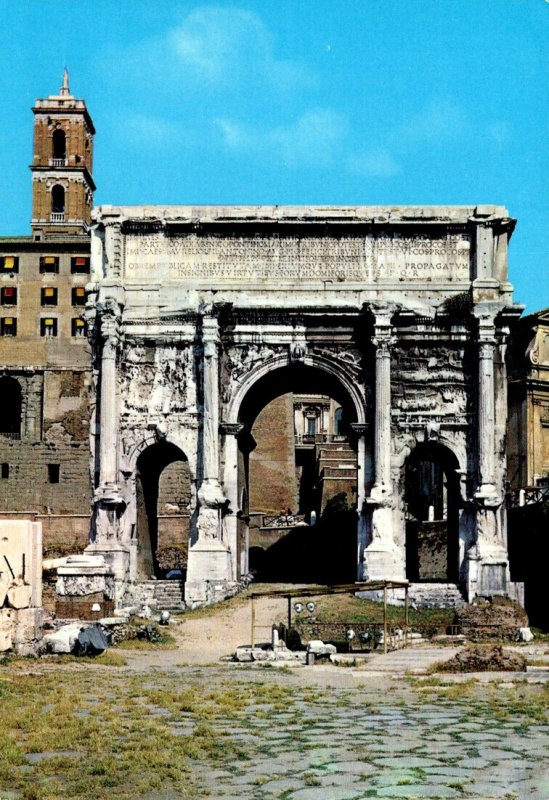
<point x="64" y="90"/>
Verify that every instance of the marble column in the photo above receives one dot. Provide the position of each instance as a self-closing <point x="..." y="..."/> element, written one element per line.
<point x="231" y="432"/>
<point x="383" y="340"/>
<point x="109" y="503"/>
<point x="381" y="558"/>
<point x="210" y="566"/>
<point x="487" y="492"/>
<point x="488" y="565"/>
<point x="108" y="422"/>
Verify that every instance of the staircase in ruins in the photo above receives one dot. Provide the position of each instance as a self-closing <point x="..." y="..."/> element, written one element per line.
<point x="167" y="594"/>
<point x="337" y="470"/>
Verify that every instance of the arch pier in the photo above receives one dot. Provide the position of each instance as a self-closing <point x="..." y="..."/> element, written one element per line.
<point x="200" y="317"/>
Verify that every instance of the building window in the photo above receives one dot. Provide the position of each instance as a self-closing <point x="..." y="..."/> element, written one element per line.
<point x="49" y="264"/>
<point x="338" y="421"/>
<point x="5" y="471"/>
<point x="9" y="296"/>
<point x="80" y="265"/>
<point x="78" y="327"/>
<point x="8" y="326"/>
<point x="59" y="146"/>
<point x="53" y="473"/>
<point x="9" y="264"/>
<point x="48" y="326"/>
<point x="79" y="296"/>
<point x="11" y="404"/>
<point x="311" y="426"/>
<point x="49" y="296"/>
<point x="57" y="199"/>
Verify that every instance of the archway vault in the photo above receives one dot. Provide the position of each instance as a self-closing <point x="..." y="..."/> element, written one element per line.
<point x="295" y="549"/>
<point x="316" y="362"/>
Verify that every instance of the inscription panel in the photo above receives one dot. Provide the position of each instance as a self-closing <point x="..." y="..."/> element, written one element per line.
<point x="266" y="259"/>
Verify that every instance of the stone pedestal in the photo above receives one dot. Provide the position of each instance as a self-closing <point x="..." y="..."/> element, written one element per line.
<point x="83" y="581"/>
<point x="208" y="573"/>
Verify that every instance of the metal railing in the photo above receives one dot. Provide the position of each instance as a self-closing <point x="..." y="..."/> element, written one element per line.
<point x="528" y="496"/>
<point x="282" y="520"/>
<point x="319" y="438"/>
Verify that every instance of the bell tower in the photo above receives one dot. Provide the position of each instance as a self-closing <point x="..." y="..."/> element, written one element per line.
<point x="62" y="183"/>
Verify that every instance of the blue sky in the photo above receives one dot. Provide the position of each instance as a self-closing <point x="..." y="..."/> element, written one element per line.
<point x="295" y="101"/>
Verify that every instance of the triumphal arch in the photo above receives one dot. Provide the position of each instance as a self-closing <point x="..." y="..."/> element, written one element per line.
<point x="198" y="316"/>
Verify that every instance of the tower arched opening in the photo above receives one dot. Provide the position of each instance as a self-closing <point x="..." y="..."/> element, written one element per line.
<point x="58" y="199"/>
<point x="59" y="145"/>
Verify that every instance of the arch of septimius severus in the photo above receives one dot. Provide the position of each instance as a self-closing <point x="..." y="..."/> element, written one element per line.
<point x="197" y="314"/>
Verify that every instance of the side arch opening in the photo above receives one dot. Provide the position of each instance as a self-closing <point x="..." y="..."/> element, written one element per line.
<point x="432" y="501"/>
<point x="163" y="511"/>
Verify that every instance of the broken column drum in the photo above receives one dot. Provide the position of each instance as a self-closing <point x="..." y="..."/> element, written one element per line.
<point x="203" y="313"/>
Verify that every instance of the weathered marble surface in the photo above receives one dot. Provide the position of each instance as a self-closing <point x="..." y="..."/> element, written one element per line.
<point x="406" y="308"/>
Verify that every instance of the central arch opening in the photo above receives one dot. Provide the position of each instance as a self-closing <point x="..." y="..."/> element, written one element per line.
<point x="298" y="478"/>
<point x="163" y="511"/>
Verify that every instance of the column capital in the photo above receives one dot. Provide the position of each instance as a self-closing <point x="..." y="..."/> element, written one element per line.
<point x="383" y="314"/>
<point x="232" y="428"/>
<point x="359" y="428"/>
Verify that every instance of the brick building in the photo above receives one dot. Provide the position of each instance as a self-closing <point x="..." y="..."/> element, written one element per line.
<point x="45" y="367"/>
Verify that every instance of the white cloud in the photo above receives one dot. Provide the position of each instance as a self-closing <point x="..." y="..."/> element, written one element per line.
<point x="144" y="130"/>
<point x="228" y="45"/>
<point x="374" y="163"/>
<point x="439" y="120"/>
<point x="311" y="140"/>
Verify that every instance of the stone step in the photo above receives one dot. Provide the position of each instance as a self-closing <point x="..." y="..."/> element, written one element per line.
<point x="167" y="594"/>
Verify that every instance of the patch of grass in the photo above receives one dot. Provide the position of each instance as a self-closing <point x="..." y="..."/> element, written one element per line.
<point x="110" y="659"/>
<point x="165" y="642"/>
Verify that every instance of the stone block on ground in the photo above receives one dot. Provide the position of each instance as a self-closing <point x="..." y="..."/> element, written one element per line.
<point x="320" y="649"/>
<point x="63" y="640"/>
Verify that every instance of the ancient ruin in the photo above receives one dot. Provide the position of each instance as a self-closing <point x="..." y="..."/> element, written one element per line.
<point x="200" y="316"/>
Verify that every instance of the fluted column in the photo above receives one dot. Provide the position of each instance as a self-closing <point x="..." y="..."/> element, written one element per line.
<point x="486" y="405"/>
<point x="487" y="567"/>
<point x="108" y="423"/>
<point x="210" y="365"/>
<point x="210" y="494"/>
<point x="383" y="340"/>
<point x="107" y="532"/>
<point x="381" y="559"/>
<point x="210" y="567"/>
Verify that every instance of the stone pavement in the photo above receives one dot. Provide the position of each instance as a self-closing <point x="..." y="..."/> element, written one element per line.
<point x="350" y="744"/>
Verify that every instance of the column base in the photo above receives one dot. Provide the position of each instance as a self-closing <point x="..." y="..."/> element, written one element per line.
<point x="209" y="573"/>
<point x="117" y="558"/>
<point x="487" y="569"/>
<point x="382" y="563"/>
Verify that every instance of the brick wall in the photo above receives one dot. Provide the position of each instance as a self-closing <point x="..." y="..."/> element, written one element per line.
<point x="273" y="485"/>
